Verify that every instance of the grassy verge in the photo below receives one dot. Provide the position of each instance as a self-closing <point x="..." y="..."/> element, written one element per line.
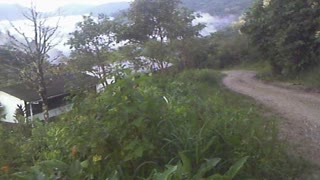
<point x="308" y="80"/>
<point x="262" y="67"/>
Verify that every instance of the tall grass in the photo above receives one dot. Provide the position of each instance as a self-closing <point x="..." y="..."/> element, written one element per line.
<point x="307" y="79"/>
<point x="310" y="78"/>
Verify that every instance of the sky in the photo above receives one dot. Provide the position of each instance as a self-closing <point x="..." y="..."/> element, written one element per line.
<point x="50" y="5"/>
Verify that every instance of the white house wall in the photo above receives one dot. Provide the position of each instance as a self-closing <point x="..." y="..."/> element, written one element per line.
<point x="10" y="104"/>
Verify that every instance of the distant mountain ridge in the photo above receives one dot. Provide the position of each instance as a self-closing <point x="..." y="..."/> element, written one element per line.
<point x="219" y="7"/>
<point x="14" y="12"/>
<point x="109" y="9"/>
<point x="213" y="7"/>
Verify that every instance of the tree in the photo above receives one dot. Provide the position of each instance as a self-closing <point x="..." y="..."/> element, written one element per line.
<point x="92" y="44"/>
<point x="152" y="18"/>
<point x="192" y="52"/>
<point x="228" y="47"/>
<point x="159" y="54"/>
<point x="284" y="31"/>
<point x="32" y="51"/>
<point x="158" y="21"/>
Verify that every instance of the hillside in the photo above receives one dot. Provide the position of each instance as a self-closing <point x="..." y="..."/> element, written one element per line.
<point x="219" y="7"/>
<point x="109" y="9"/>
<point x="213" y="7"/>
<point x="13" y="12"/>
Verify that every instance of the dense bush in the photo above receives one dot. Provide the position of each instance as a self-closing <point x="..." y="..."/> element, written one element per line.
<point x="179" y="127"/>
<point x="286" y="33"/>
<point x="228" y="48"/>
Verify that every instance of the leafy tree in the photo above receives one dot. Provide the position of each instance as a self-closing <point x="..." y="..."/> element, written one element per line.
<point x="228" y="47"/>
<point x="92" y="44"/>
<point x="160" y="20"/>
<point x="160" y="54"/>
<point x="151" y="18"/>
<point x="192" y="52"/>
<point x="285" y="33"/>
<point x="32" y="52"/>
<point x="163" y="21"/>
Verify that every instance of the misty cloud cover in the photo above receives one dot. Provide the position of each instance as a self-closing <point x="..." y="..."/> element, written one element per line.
<point x="67" y="25"/>
<point x="214" y="23"/>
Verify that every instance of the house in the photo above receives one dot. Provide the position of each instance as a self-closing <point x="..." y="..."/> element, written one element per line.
<point x="21" y="99"/>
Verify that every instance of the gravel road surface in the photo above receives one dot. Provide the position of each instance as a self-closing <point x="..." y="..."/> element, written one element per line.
<point x="300" y="110"/>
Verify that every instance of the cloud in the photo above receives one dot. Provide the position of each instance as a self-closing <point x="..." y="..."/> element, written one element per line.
<point x="214" y="23"/>
<point x="51" y="5"/>
<point x="67" y="25"/>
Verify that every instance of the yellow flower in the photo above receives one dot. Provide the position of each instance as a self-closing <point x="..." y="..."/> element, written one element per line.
<point x="97" y="158"/>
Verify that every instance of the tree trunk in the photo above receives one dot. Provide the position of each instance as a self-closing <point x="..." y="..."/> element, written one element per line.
<point x="44" y="96"/>
<point x="104" y="75"/>
<point x="45" y="109"/>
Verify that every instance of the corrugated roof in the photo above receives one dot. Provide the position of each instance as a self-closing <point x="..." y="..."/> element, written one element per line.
<point x="58" y="85"/>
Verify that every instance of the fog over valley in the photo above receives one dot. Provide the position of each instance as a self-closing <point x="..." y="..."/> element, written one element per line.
<point x="67" y="25"/>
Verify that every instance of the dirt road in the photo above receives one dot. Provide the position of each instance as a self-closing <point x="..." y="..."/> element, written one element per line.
<point x="300" y="110"/>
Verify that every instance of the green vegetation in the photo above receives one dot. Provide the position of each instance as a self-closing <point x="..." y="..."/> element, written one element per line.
<point x="8" y="75"/>
<point x="228" y="48"/>
<point x="92" y="44"/>
<point x="152" y="127"/>
<point x="306" y="80"/>
<point x="286" y="34"/>
<point x="310" y="78"/>
<point x="281" y="45"/>
<point x="179" y="123"/>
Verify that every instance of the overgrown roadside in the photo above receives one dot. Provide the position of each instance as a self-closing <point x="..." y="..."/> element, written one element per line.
<point x="184" y="126"/>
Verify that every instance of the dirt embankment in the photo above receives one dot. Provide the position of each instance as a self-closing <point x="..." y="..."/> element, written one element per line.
<point x="300" y="110"/>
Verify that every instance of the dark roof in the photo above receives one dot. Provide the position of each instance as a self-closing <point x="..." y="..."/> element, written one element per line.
<point x="58" y="85"/>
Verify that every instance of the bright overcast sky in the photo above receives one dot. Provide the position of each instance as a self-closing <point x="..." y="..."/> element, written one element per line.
<point x="49" y="5"/>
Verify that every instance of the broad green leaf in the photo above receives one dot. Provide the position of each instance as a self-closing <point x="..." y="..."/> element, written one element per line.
<point x="234" y="169"/>
<point x="114" y="176"/>
<point x="209" y="144"/>
<point x="52" y="165"/>
<point x="84" y="164"/>
<point x="166" y="174"/>
<point x="218" y="177"/>
<point x="186" y="163"/>
<point x="207" y="166"/>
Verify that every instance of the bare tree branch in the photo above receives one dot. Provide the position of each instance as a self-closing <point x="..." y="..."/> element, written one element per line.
<point x="34" y="50"/>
